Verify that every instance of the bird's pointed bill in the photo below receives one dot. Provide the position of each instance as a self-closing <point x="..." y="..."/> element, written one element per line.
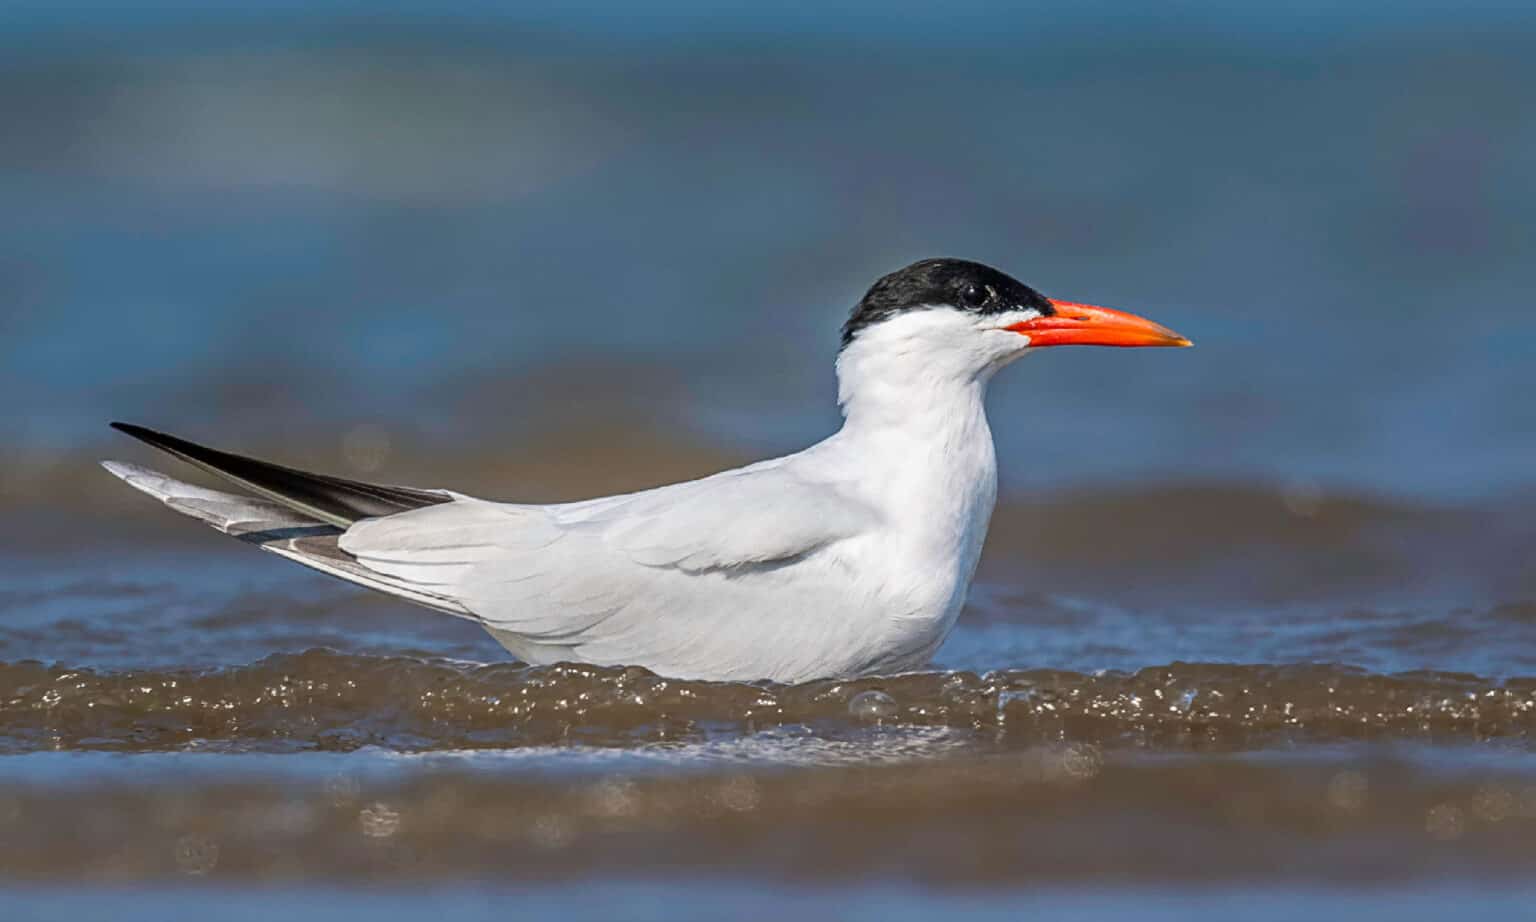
<point x="1085" y="325"/>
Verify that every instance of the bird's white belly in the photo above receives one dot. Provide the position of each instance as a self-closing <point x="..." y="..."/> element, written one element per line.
<point x="812" y="619"/>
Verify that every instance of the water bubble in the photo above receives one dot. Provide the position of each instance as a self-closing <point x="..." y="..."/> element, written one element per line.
<point x="551" y="832"/>
<point x="872" y="706"/>
<point x="52" y="697"/>
<point x="1081" y="761"/>
<point x="739" y="794"/>
<point x="379" y="820"/>
<point x="1445" y="822"/>
<point x="612" y="797"/>
<point x="1493" y="803"/>
<point x="1185" y="702"/>
<point x="196" y="855"/>
<point x="1347" y="791"/>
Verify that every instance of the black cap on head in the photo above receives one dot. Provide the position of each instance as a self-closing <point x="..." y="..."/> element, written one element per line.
<point x="957" y="283"/>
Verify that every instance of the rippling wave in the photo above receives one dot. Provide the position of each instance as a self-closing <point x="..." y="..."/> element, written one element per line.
<point x="333" y="701"/>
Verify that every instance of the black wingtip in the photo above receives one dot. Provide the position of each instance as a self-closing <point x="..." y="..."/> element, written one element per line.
<point x="139" y="432"/>
<point x="331" y="499"/>
<point x="160" y="440"/>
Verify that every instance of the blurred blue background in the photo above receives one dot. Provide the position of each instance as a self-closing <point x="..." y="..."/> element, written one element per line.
<point x="457" y="227"/>
<point x="554" y="249"/>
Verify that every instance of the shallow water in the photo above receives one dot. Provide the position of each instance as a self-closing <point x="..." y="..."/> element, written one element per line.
<point x="1339" y="693"/>
<point x="928" y="814"/>
<point x="174" y="704"/>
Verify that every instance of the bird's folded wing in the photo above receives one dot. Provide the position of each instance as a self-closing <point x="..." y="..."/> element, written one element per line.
<point x="730" y="521"/>
<point x="556" y="572"/>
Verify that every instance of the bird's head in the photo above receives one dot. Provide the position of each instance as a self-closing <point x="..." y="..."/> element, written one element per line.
<point x="964" y="315"/>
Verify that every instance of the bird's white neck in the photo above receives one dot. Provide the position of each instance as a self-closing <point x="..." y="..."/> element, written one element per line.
<point x="880" y="390"/>
<point x="923" y="375"/>
<point x="915" y="430"/>
<point x="925" y="363"/>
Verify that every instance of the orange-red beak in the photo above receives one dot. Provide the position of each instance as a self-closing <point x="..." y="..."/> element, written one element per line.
<point x="1086" y="325"/>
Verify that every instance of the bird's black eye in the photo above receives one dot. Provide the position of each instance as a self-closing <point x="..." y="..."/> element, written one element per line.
<point x="973" y="295"/>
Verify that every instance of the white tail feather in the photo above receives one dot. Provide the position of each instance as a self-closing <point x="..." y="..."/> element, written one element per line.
<point x="276" y="528"/>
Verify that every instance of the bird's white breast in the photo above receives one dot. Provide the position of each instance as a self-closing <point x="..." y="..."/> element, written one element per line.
<point x="935" y="485"/>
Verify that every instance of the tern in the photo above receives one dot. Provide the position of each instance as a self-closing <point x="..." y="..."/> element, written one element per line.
<point x="851" y="557"/>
